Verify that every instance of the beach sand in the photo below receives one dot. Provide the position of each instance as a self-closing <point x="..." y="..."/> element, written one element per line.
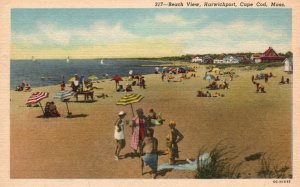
<point x="83" y="147"/>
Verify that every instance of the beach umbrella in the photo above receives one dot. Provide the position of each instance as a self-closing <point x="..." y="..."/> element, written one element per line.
<point x="72" y="79"/>
<point x="215" y="69"/>
<point x="65" y="97"/>
<point x="93" y="78"/>
<point x="208" y="77"/>
<point x="129" y="99"/>
<point x="117" y="78"/>
<point x="37" y="97"/>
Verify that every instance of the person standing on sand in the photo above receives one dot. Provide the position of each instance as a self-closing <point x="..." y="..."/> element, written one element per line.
<point x="139" y="125"/>
<point x="163" y="76"/>
<point x="266" y="78"/>
<point x="257" y="86"/>
<point x="62" y="86"/>
<point x="282" y="80"/>
<point x="119" y="134"/>
<point x="173" y="138"/>
<point x="149" y="147"/>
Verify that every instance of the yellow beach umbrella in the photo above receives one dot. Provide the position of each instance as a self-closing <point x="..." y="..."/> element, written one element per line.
<point x="92" y="77"/>
<point x="215" y="69"/>
<point x="72" y="79"/>
<point x="129" y="99"/>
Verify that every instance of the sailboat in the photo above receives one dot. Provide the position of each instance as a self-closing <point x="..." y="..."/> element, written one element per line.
<point x="68" y="59"/>
<point x="101" y="62"/>
<point x="33" y="59"/>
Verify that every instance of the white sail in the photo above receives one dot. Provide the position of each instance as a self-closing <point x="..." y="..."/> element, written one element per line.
<point x="68" y="60"/>
<point x="101" y="62"/>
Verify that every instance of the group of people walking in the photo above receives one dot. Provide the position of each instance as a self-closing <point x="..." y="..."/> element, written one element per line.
<point x="143" y="142"/>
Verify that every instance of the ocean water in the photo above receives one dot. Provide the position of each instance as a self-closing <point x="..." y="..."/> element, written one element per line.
<point x="52" y="72"/>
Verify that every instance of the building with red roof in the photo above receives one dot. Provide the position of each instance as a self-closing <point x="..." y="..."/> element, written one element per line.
<point x="268" y="56"/>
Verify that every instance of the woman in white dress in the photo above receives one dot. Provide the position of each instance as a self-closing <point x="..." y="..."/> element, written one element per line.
<point x="119" y="134"/>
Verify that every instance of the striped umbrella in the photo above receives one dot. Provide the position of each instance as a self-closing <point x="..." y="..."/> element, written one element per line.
<point x="130" y="99"/>
<point x="65" y="96"/>
<point x="37" y="97"/>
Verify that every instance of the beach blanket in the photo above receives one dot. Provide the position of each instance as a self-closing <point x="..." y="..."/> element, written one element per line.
<point x="135" y="138"/>
<point x="150" y="160"/>
<point x="191" y="166"/>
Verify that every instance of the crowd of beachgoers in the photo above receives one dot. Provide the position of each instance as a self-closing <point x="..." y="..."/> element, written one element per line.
<point x="143" y="142"/>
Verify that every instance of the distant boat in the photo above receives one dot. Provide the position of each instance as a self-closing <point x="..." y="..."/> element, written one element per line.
<point x="68" y="59"/>
<point x="101" y="62"/>
<point x="33" y="59"/>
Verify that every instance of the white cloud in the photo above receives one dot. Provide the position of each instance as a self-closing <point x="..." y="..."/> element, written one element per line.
<point x="28" y="39"/>
<point x="237" y="36"/>
<point x="175" y="19"/>
<point x="100" y="31"/>
<point x="53" y="33"/>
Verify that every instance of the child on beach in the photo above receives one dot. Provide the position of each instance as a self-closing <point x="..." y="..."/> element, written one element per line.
<point x="119" y="134"/>
<point x="149" y="147"/>
<point x="173" y="138"/>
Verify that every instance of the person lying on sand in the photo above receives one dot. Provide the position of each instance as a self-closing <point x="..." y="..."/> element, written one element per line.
<point x="201" y="94"/>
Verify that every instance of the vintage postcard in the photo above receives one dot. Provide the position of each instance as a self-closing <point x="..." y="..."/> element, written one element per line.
<point x="149" y="92"/>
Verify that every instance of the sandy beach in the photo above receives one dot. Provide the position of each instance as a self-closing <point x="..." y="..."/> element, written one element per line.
<point x="83" y="146"/>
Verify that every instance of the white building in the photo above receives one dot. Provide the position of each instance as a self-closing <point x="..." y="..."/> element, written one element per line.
<point x="288" y="64"/>
<point x="218" y="61"/>
<point x="197" y="59"/>
<point x="230" y="60"/>
<point x="256" y="58"/>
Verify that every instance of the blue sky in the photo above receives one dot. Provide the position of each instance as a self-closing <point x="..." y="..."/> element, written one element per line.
<point x="54" y="33"/>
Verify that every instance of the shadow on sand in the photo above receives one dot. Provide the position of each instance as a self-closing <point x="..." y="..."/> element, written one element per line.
<point x="71" y="116"/>
<point x="88" y="101"/>
<point x="77" y="116"/>
<point x="134" y="155"/>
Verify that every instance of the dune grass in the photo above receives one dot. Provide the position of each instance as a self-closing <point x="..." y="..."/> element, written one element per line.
<point x="224" y="163"/>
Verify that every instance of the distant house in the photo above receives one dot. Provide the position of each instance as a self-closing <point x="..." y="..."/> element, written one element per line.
<point x="268" y="56"/>
<point x="230" y="60"/>
<point x="242" y="59"/>
<point x="218" y="61"/>
<point x="207" y="59"/>
<point x="197" y="59"/>
<point x="256" y="58"/>
<point x="288" y="64"/>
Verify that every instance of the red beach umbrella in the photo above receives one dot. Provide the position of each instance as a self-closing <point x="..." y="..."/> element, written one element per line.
<point x="117" y="78"/>
<point x="37" y="97"/>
